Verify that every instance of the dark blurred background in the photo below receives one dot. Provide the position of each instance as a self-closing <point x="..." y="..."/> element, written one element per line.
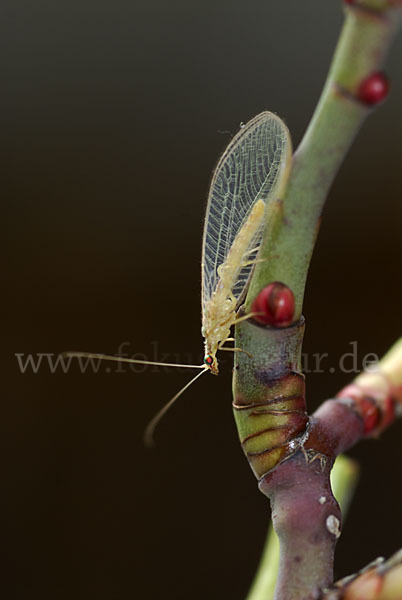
<point x="113" y="117"/>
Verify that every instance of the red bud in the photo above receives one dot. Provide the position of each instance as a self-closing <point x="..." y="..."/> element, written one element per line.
<point x="275" y="305"/>
<point x="373" y="89"/>
<point x="369" y="412"/>
<point x="377" y="413"/>
<point x="388" y="412"/>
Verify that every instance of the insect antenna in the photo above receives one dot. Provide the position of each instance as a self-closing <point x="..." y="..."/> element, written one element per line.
<point x="127" y="360"/>
<point x="149" y="431"/>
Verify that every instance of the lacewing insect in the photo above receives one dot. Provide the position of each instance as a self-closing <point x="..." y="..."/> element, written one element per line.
<point x="246" y="182"/>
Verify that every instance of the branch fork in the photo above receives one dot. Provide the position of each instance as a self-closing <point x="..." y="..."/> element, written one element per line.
<point x="290" y="453"/>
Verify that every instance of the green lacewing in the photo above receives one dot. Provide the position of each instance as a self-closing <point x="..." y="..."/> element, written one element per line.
<point x="246" y="181"/>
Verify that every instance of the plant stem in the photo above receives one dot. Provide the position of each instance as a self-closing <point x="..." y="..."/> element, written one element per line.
<point x="344" y="477"/>
<point x="361" y="51"/>
<point x="307" y="520"/>
<point x="380" y="580"/>
<point x="263" y="587"/>
<point x="291" y="456"/>
<point x="305" y="514"/>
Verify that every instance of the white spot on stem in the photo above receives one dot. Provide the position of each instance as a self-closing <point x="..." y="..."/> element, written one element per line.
<point x="333" y="526"/>
<point x="322" y="500"/>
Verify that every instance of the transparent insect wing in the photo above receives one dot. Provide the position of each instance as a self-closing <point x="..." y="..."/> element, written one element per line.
<point x="249" y="169"/>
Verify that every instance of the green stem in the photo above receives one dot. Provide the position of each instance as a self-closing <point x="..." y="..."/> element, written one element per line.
<point x="344" y="477"/>
<point x="361" y="51"/>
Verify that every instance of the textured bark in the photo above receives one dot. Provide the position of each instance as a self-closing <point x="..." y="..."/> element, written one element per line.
<point x="307" y="520"/>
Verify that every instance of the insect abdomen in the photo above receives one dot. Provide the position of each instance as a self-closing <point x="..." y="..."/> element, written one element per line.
<point x="236" y="256"/>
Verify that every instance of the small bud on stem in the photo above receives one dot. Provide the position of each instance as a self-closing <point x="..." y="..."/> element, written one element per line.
<point x="373" y="89"/>
<point x="274" y="305"/>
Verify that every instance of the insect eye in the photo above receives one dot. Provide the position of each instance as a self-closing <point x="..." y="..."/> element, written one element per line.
<point x="208" y="360"/>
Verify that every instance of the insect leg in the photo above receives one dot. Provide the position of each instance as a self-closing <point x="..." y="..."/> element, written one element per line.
<point x="236" y="350"/>
<point x="245" y="317"/>
<point x="253" y="262"/>
<point x="252" y="250"/>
